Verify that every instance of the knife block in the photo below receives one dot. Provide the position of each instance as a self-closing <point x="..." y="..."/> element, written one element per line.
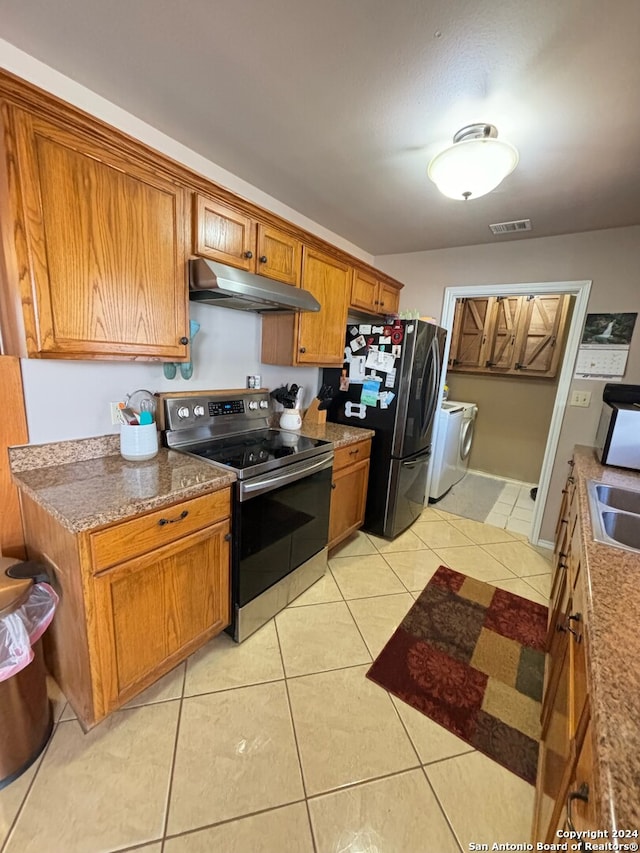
<point x="313" y="416"/>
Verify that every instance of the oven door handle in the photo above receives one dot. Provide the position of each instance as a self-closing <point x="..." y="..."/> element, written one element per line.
<point x="268" y="482"/>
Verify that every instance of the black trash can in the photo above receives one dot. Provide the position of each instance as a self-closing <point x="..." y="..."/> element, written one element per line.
<point x="25" y="710"/>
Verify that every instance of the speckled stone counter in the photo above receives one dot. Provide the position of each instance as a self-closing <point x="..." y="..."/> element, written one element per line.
<point x="611" y="585"/>
<point x="340" y="435"/>
<point x="86" y="483"/>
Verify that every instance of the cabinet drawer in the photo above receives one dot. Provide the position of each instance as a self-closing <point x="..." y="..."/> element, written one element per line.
<point x="352" y="453"/>
<point x="142" y="534"/>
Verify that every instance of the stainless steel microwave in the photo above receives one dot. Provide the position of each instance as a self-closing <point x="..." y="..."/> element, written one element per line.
<point x="618" y="435"/>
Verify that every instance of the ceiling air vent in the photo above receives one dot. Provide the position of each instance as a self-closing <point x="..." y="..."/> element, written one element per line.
<point x="511" y="227"/>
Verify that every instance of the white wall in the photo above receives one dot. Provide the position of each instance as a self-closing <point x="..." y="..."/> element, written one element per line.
<point x="66" y="399"/>
<point x="611" y="259"/>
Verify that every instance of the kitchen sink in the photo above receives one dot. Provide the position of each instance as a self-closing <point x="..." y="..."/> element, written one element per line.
<point x="615" y="515"/>
<point x="623" y="499"/>
<point x="623" y="528"/>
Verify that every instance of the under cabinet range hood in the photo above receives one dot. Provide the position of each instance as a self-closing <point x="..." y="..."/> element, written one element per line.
<point x="216" y="284"/>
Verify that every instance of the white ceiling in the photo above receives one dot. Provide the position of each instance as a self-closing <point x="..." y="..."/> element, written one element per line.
<point x="336" y="106"/>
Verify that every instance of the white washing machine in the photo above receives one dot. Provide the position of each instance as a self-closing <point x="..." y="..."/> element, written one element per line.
<point x="455" y="436"/>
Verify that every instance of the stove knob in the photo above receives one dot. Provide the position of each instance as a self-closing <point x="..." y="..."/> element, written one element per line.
<point x="198" y="411"/>
<point x="183" y="412"/>
<point x="253" y="405"/>
<point x="252" y="457"/>
<point x="264" y="404"/>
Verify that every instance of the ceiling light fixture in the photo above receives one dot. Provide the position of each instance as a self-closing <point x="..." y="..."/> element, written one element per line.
<point x="475" y="164"/>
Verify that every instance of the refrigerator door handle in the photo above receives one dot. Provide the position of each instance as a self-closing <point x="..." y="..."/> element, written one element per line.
<point x="428" y="408"/>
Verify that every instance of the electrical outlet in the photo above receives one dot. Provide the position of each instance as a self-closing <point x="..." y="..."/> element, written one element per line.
<point x="581" y="398"/>
<point x="116" y="417"/>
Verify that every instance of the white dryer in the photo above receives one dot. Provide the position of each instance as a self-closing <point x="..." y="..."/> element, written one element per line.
<point x="446" y="461"/>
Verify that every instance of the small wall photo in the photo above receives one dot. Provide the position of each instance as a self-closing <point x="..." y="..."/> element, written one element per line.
<point x="609" y="329"/>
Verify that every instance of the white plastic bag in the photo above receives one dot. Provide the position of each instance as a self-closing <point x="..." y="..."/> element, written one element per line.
<point x="24" y="627"/>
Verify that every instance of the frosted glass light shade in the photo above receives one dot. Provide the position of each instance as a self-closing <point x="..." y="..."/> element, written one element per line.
<point x="472" y="167"/>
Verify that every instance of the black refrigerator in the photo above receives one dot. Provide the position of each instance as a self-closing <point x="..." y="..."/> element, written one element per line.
<point x="389" y="383"/>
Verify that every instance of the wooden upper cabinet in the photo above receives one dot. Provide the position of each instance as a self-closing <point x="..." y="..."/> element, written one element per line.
<point x="312" y="338"/>
<point x="224" y="234"/>
<point x="227" y="235"/>
<point x="470" y="334"/>
<point x="513" y="335"/>
<point x="370" y="294"/>
<point x="539" y="342"/>
<point x="389" y="299"/>
<point x="279" y="255"/>
<point x="100" y="247"/>
<point x="503" y="329"/>
<point x="364" y="291"/>
<point x="321" y="335"/>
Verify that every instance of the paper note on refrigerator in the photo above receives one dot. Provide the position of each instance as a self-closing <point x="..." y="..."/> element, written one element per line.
<point x="382" y="361"/>
<point x="356" y="368"/>
<point x="369" y="395"/>
<point x="390" y="381"/>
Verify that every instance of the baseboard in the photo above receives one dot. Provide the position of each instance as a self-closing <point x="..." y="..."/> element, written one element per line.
<point x="499" y="477"/>
<point x="543" y="543"/>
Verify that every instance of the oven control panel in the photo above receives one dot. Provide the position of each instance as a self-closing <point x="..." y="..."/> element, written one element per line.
<point x="212" y="409"/>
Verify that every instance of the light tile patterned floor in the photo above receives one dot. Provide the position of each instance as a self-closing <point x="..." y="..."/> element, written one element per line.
<point x="281" y="745"/>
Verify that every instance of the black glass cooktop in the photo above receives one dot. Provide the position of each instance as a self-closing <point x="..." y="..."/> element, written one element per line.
<point x="248" y="450"/>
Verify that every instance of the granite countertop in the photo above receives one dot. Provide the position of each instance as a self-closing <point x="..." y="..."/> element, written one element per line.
<point x="85" y="483"/>
<point x="611" y="585"/>
<point x="339" y="435"/>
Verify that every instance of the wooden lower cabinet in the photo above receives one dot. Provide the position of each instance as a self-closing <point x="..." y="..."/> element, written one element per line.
<point x="349" y="495"/>
<point x="566" y="741"/>
<point x="117" y="630"/>
<point x="154" y="610"/>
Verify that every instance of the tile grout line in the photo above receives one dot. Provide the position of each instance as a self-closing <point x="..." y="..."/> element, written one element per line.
<point x="295" y="739"/>
<point x="28" y="791"/>
<point x="442" y="809"/>
<point x="173" y="761"/>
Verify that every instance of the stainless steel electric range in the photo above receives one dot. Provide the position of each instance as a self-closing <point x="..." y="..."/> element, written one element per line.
<point x="281" y="500"/>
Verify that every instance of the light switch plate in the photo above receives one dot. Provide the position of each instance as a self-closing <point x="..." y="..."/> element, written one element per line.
<point x="580" y="398"/>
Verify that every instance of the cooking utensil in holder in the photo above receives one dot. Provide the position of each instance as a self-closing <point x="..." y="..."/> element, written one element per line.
<point x="138" y="443"/>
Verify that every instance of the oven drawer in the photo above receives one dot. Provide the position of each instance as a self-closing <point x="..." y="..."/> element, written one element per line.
<point x="344" y="456"/>
<point x="142" y="534"/>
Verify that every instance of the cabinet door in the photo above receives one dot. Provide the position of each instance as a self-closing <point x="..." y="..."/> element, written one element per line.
<point x="348" y="501"/>
<point x="556" y="752"/>
<point x="278" y="255"/>
<point x="543" y="325"/>
<point x="502" y="333"/>
<point x="105" y="249"/>
<point x="151" y="612"/>
<point x="473" y="321"/>
<point x="388" y="299"/>
<point x="364" y="291"/>
<point x="224" y="234"/>
<point x="321" y="335"/>
<point x="581" y="798"/>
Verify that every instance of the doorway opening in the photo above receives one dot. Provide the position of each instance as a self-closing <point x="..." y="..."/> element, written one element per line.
<point x="579" y="290"/>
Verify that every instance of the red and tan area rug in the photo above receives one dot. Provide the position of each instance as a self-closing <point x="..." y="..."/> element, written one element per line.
<point x="471" y="657"/>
